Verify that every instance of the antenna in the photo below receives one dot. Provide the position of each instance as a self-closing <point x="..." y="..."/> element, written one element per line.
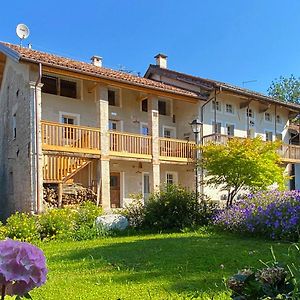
<point x="22" y="32"/>
<point x="248" y="81"/>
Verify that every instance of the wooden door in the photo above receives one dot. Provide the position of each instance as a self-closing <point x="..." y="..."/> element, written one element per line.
<point x="115" y="190"/>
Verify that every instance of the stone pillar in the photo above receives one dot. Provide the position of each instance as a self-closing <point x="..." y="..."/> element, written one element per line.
<point x="153" y="124"/>
<point x="36" y="147"/>
<point x="297" y="176"/>
<point x="104" y="170"/>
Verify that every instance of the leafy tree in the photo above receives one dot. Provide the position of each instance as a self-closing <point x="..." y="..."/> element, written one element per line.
<point x="286" y="89"/>
<point x="242" y="164"/>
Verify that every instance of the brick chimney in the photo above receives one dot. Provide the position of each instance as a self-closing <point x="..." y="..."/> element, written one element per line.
<point x="96" y="61"/>
<point x="161" y="60"/>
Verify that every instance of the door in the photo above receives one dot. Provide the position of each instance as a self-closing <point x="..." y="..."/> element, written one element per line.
<point x="115" y="190"/>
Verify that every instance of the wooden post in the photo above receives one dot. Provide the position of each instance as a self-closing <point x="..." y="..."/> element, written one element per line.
<point x="60" y="193"/>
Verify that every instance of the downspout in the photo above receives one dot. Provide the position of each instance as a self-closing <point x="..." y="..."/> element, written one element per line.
<point x="202" y="132"/>
<point x="36" y="142"/>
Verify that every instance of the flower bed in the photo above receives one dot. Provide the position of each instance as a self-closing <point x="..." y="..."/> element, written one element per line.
<point x="272" y="214"/>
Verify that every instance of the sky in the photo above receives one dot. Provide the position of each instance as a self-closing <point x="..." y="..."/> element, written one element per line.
<point x="243" y="42"/>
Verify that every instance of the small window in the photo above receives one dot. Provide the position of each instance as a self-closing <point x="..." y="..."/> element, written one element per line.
<point x="216" y="105"/>
<point x="269" y="136"/>
<point x="278" y="136"/>
<point x="50" y="85"/>
<point x="230" y="129"/>
<point x="162" y="107"/>
<point x="229" y="108"/>
<point x="112" y="98"/>
<point x="68" y="132"/>
<point x="112" y="125"/>
<point x="268" y="117"/>
<point x="278" y="119"/>
<point x="145" y="105"/>
<point x="216" y="127"/>
<point x="170" y="178"/>
<point x="250" y="113"/>
<point x="68" y="88"/>
<point x="14" y="125"/>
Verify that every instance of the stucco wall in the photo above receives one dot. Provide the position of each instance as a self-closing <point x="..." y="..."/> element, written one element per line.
<point x="15" y="166"/>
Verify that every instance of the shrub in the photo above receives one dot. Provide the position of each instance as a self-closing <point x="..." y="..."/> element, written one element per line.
<point x="272" y="214"/>
<point x="175" y="207"/>
<point x="135" y="212"/>
<point x="56" y="223"/>
<point x="274" y="281"/>
<point x="21" y="226"/>
<point x="2" y="231"/>
<point x="86" y="214"/>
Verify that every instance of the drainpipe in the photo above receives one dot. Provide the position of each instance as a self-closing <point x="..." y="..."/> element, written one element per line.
<point x="201" y="136"/>
<point x="36" y="142"/>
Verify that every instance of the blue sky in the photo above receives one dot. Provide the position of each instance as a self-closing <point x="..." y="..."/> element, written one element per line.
<point x="231" y="41"/>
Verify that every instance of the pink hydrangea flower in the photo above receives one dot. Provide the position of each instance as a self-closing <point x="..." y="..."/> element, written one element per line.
<point x="22" y="267"/>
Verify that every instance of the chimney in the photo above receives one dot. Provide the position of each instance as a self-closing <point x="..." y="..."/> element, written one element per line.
<point x="96" y="61"/>
<point x="161" y="60"/>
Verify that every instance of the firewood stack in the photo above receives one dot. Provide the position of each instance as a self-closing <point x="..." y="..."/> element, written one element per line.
<point x="73" y="194"/>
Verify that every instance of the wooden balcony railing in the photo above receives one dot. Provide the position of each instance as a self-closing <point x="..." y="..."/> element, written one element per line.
<point x="290" y="153"/>
<point x="73" y="138"/>
<point x="173" y="149"/>
<point x="130" y="145"/>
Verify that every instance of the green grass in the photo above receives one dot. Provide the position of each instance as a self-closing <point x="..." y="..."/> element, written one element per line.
<point x="153" y="266"/>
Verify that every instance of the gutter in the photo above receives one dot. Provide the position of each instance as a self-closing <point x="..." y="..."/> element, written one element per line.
<point x="36" y="142"/>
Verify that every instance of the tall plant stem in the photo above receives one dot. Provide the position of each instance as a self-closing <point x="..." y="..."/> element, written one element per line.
<point x="3" y="292"/>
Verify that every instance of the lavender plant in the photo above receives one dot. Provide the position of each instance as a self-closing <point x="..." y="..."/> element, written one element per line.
<point x="272" y="214"/>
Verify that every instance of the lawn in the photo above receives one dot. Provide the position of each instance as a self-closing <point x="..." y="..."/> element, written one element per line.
<point x="150" y="266"/>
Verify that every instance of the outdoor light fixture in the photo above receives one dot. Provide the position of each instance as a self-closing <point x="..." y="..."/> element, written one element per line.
<point x="196" y="128"/>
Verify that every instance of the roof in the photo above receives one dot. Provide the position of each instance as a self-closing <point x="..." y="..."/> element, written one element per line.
<point x="29" y="55"/>
<point x="209" y="84"/>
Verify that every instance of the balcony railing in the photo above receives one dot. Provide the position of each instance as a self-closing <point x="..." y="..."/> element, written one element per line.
<point x="176" y="149"/>
<point x="130" y="145"/>
<point x="72" y="138"/>
<point x="289" y="153"/>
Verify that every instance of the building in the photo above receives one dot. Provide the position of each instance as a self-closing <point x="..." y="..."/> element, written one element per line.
<point x="119" y="134"/>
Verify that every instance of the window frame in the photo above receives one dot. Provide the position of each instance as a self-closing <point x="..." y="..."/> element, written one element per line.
<point x="175" y="177"/>
<point x="232" y="109"/>
<point x="269" y="119"/>
<point x="266" y="135"/>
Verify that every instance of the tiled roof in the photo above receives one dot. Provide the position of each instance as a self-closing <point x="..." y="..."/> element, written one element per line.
<point x="209" y="84"/>
<point x="56" y="61"/>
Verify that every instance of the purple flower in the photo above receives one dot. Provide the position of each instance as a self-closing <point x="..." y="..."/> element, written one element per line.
<point x="22" y="267"/>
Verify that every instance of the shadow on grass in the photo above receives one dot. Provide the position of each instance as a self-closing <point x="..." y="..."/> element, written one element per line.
<point x="180" y="263"/>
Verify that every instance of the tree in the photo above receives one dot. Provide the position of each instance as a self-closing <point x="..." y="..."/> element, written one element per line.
<point x="242" y="164"/>
<point x="285" y="89"/>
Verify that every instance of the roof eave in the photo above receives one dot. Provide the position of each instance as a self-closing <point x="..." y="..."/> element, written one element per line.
<point x="12" y="54"/>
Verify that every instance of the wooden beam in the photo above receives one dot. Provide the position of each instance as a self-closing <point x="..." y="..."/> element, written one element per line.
<point x="264" y="108"/>
<point x="245" y="104"/>
<point x="130" y="86"/>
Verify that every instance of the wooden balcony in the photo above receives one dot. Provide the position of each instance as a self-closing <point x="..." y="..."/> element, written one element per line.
<point x="58" y="137"/>
<point x="176" y="150"/>
<point x="130" y="145"/>
<point x="288" y="153"/>
<point x="70" y="138"/>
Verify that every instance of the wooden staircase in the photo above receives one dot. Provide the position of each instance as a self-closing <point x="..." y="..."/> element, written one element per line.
<point x="61" y="168"/>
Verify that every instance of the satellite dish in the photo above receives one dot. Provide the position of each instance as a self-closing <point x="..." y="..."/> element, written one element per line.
<point x="22" y="32"/>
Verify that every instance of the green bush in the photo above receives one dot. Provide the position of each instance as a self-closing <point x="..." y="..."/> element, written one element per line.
<point x="21" y="226"/>
<point x="135" y="212"/>
<point x="86" y="214"/>
<point x="175" y="207"/>
<point x="2" y="231"/>
<point x="57" y="223"/>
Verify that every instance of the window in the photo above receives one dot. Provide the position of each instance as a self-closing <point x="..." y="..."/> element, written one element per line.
<point x="269" y="136"/>
<point x="111" y="98"/>
<point x="230" y="129"/>
<point x="145" y="105"/>
<point x="56" y="86"/>
<point x="278" y="119"/>
<point x="216" y="105"/>
<point x="216" y="127"/>
<point x="14" y="125"/>
<point x="229" y="108"/>
<point x="171" y="178"/>
<point x="162" y="107"/>
<point x="69" y="132"/>
<point x="278" y="136"/>
<point x="68" y="88"/>
<point x="146" y="185"/>
<point x="112" y="125"/>
<point x="268" y="117"/>
<point x="144" y="129"/>
<point x="169" y="132"/>
<point x="250" y="113"/>
<point x="50" y="85"/>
